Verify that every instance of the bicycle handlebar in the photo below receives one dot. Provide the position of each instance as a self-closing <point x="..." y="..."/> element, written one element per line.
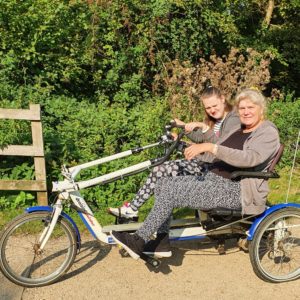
<point x="173" y="124"/>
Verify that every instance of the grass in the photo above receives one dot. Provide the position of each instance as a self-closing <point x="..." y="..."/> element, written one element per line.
<point x="279" y="187"/>
<point x="278" y="192"/>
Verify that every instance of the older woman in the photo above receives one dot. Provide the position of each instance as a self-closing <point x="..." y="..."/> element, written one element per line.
<point x="219" y="120"/>
<point x="253" y="146"/>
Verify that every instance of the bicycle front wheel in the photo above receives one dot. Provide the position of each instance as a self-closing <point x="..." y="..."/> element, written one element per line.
<point x="23" y="262"/>
<point x="275" y="248"/>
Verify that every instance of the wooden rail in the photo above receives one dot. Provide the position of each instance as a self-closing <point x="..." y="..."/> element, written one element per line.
<point x="36" y="150"/>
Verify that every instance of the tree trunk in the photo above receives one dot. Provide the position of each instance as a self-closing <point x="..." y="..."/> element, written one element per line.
<point x="269" y="12"/>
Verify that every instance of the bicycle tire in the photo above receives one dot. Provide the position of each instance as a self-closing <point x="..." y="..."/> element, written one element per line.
<point x="21" y="260"/>
<point x="275" y="249"/>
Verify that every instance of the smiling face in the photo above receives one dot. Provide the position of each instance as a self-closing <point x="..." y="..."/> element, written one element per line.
<point x="251" y="114"/>
<point x="214" y="106"/>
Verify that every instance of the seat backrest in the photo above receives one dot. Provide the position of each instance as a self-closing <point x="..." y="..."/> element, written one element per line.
<point x="276" y="159"/>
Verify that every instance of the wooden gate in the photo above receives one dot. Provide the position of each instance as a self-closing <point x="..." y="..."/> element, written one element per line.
<point x="36" y="150"/>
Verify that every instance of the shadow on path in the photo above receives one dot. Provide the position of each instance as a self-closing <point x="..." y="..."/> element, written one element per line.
<point x="181" y="249"/>
<point x="91" y="252"/>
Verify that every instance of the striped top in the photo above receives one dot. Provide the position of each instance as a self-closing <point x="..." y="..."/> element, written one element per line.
<point x="218" y="126"/>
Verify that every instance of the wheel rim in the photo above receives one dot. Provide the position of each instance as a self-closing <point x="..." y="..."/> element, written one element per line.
<point x="278" y="248"/>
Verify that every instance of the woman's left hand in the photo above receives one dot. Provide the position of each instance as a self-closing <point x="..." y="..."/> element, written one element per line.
<point x="196" y="149"/>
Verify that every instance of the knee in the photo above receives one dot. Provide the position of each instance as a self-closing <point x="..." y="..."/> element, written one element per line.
<point x="158" y="171"/>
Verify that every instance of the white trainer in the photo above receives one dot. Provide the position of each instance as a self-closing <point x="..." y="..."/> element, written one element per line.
<point x="124" y="211"/>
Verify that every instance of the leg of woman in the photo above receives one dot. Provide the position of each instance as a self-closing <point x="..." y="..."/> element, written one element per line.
<point x="182" y="191"/>
<point x="189" y="191"/>
<point x="167" y="169"/>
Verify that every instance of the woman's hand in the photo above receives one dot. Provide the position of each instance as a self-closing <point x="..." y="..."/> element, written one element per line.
<point x="178" y="122"/>
<point x="196" y="149"/>
<point x="174" y="136"/>
<point x="192" y="125"/>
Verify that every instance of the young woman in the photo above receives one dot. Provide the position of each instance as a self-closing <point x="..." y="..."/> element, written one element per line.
<point x="219" y="120"/>
<point x="254" y="145"/>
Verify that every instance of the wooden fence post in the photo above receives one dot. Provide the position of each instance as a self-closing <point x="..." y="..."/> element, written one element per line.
<point x="36" y="150"/>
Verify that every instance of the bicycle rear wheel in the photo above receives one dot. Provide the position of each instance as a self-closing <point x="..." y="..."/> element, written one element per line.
<point x="23" y="262"/>
<point x="275" y="248"/>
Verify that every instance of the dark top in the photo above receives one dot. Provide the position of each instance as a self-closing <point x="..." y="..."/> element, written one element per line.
<point x="235" y="141"/>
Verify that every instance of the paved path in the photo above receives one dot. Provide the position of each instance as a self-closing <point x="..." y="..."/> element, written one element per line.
<point x="195" y="271"/>
<point x="9" y="290"/>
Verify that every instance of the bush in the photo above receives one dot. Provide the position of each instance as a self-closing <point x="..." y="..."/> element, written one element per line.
<point x="285" y="113"/>
<point x="184" y="82"/>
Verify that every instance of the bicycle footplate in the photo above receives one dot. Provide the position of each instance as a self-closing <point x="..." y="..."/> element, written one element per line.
<point x="155" y="263"/>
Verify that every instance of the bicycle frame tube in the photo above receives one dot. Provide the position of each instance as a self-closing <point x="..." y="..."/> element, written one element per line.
<point x="75" y="170"/>
<point x="88" y="217"/>
<point x="70" y="185"/>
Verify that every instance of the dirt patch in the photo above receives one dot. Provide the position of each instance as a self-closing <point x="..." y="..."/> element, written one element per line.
<point x="195" y="271"/>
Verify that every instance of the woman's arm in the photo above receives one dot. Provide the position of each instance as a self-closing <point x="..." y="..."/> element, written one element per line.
<point x="230" y="124"/>
<point x="262" y="145"/>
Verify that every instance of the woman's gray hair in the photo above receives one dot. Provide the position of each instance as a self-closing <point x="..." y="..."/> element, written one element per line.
<point x="254" y="96"/>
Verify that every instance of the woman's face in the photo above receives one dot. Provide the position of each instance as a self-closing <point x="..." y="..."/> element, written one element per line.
<point x="215" y="106"/>
<point x="250" y="114"/>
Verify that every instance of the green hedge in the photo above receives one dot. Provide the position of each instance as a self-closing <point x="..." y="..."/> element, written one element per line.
<point x="93" y="70"/>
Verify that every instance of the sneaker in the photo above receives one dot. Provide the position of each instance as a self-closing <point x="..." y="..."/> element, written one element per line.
<point x="160" y="247"/>
<point x="132" y="243"/>
<point x="124" y="211"/>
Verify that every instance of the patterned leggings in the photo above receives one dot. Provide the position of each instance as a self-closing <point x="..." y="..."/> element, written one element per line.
<point x="168" y="169"/>
<point x="194" y="192"/>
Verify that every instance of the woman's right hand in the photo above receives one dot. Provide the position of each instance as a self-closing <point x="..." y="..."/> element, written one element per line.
<point x="192" y="125"/>
<point x="178" y="122"/>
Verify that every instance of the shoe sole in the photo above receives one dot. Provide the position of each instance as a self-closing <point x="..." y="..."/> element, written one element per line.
<point x="159" y="254"/>
<point x="122" y="216"/>
<point x="129" y="251"/>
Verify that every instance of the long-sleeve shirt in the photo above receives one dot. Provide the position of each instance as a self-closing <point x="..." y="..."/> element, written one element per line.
<point x="231" y="123"/>
<point x="258" y="152"/>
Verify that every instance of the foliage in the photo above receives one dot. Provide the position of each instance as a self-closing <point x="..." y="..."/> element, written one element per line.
<point x="283" y="189"/>
<point x="13" y="201"/>
<point x="184" y="82"/>
<point x="104" y="73"/>
<point x="285" y="113"/>
<point x="280" y="35"/>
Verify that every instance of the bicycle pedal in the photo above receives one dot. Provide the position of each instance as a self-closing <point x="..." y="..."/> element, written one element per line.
<point x="123" y="252"/>
<point x="155" y="263"/>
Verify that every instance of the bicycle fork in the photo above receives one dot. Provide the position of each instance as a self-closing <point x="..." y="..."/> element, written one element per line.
<point x="57" y="209"/>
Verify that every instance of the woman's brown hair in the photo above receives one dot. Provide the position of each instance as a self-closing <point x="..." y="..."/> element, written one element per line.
<point x="208" y="92"/>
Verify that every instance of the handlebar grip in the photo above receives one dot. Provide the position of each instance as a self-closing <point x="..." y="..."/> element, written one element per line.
<point x="174" y="125"/>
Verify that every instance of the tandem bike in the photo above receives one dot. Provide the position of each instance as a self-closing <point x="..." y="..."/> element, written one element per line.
<point x="38" y="247"/>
